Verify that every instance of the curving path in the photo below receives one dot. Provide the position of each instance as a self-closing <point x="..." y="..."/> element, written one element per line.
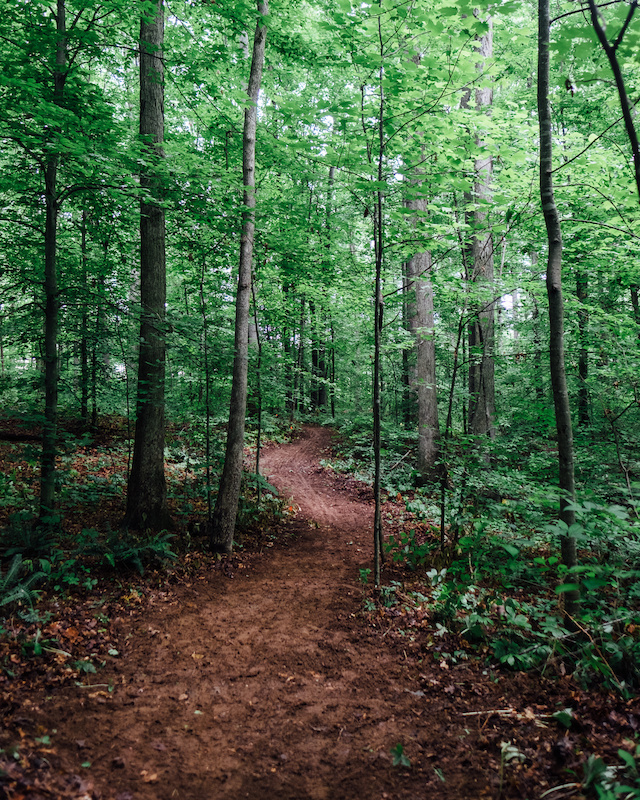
<point x="267" y="685"/>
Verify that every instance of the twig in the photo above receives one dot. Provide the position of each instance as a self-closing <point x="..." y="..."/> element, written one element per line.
<point x="598" y="650"/>
<point x="399" y="461"/>
<point x="559" y="788"/>
<point x="502" y="711"/>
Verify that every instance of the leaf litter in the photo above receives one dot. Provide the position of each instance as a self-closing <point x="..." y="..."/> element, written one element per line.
<point x="285" y="686"/>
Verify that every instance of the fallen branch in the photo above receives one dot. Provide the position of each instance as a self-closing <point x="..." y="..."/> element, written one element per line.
<point x="399" y="461"/>
<point x="501" y="711"/>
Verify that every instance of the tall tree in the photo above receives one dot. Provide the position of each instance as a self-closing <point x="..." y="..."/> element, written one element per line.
<point x="422" y="373"/>
<point x="223" y="521"/>
<point x="480" y="252"/>
<point x="556" y="305"/>
<point x="52" y="300"/>
<point x="147" y="491"/>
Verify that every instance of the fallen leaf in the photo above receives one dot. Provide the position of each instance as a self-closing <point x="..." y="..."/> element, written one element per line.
<point x="71" y="634"/>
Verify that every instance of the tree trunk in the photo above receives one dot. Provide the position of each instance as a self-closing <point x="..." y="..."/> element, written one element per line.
<point x="611" y="53"/>
<point x="52" y="301"/>
<point x="635" y="303"/>
<point x="225" y="512"/>
<point x="582" y="291"/>
<point x="84" y="332"/>
<point x="378" y="312"/>
<point x="556" y="306"/>
<point x="481" y="328"/>
<point x="422" y="373"/>
<point x="147" y="490"/>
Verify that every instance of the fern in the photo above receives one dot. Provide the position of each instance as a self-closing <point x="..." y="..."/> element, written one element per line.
<point x="15" y="590"/>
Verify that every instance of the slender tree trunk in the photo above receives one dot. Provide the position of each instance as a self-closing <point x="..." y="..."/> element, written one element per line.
<point x="330" y="363"/>
<point x="582" y="291"/>
<point x="147" y="490"/>
<point x="635" y="304"/>
<point x="333" y="369"/>
<point x="556" y="305"/>
<point x="611" y="53"/>
<point x="52" y="301"/>
<point x="298" y="375"/>
<point x="84" y="332"/>
<point x="207" y="382"/>
<point x="258" y="340"/>
<point x="482" y="327"/>
<point x="378" y="231"/>
<point x="225" y="512"/>
<point x="409" y="404"/>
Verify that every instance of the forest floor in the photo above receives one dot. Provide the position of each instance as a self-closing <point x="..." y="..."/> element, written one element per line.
<point x="267" y="679"/>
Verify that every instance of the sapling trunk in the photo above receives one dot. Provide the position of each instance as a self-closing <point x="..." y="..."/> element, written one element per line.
<point x="223" y="520"/>
<point x="556" y="308"/>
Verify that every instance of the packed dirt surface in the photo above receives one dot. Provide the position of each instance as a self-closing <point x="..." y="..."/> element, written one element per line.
<point x="270" y="683"/>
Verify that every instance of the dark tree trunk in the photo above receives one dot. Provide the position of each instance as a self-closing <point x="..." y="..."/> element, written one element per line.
<point x="52" y="301"/>
<point x="147" y="490"/>
<point x="556" y="305"/>
<point x="635" y="305"/>
<point x="84" y="332"/>
<point x="611" y="53"/>
<point x="318" y="360"/>
<point x="378" y="312"/>
<point x="225" y="512"/>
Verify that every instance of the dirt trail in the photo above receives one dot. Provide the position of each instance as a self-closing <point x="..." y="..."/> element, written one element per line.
<point x="269" y="685"/>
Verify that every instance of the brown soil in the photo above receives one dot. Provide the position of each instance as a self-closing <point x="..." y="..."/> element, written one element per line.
<point x="270" y="683"/>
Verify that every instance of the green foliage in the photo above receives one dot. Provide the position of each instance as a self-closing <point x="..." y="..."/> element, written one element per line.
<point x="126" y="550"/>
<point x="25" y="536"/>
<point x="405" y="547"/>
<point x="14" y="589"/>
<point x="621" y="782"/>
<point x="399" y="759"/>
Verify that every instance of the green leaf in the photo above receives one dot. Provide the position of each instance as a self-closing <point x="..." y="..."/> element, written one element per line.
<point x="564" y="717"/>
<point x="399" y="758"/>
<point x="567" y="587"/>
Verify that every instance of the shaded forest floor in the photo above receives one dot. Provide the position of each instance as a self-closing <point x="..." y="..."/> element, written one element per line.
<point x="263" y="676"/>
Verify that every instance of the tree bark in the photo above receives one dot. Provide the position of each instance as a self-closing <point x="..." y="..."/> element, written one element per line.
<point x="84" y="328"/>
<point x="611" y="53"/>
<point x="52" y="301"/>
<point x="556" y="305"/>
<point x="223" y="521"/>
<point x="422" y="374"/>
<point x="635" y="303"/>
<point x="482" y="327"/>
<point x="147" y="490"/>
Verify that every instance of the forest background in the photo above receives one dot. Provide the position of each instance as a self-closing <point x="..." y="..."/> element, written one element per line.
<point x="397" y="291"/>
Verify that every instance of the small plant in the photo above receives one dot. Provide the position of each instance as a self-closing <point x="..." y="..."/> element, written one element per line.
<point x="13" y="589"/>
<point x="364" y="575"/>
<point x="125" y="550"/>
<point x="405" y="547"/>
<point x="399" y="757"/>
<point x="27" y="537"/>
